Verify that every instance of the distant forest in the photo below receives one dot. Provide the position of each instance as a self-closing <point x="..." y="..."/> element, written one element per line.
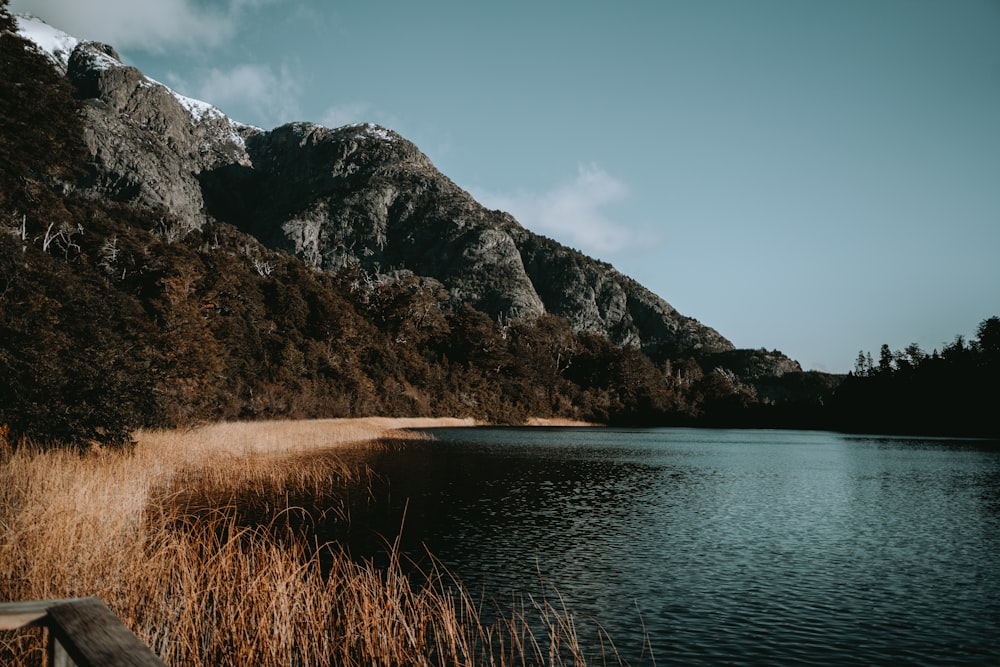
<point x="111" y="320"/>
<point x="954" y="391"/>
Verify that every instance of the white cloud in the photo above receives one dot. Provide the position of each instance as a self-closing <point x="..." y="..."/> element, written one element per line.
<point x="346" y="114"/>
<point x="151" y="25"/>
<point x="256" y="94"/>
<point x="351" y="113"/>
<point x="259" y="94"/>
<point x="572" y="213"/>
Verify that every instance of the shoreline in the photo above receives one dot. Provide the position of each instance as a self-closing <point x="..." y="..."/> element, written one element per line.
<point x="155" y="533"/>
<point x="297" y="436"/>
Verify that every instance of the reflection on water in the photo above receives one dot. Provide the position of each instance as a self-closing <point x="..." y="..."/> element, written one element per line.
<point x="730" y="547"/>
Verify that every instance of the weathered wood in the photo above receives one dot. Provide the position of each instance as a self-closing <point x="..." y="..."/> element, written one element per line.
<point x="16" y="615"/>
<point x="58" y="657"/>
<point x="82" y="633"/>
<point x="92" y="636"/>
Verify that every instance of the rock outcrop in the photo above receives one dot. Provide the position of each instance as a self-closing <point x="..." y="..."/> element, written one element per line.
<point x="147" y="143"/>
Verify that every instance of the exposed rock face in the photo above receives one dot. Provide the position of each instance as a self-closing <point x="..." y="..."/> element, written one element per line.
<point x="363" y="195"/>
<point x="147" y="143"/>
<point x="595" y="297"/>
<point x="753" y="364"/>
<point x="354" y="196"/>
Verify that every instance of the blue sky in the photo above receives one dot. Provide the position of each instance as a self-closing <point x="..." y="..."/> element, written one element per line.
<point x="817" y="177"/>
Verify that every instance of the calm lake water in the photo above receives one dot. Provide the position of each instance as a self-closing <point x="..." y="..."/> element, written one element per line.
<point x="729" y="546"/>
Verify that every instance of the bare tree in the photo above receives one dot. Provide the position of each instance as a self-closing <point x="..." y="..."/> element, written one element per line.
<point x="263" y="268"/>
<point x="62" y="236"/>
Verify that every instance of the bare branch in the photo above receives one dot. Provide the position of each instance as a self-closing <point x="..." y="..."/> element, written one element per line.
<point x="263" y="268"/>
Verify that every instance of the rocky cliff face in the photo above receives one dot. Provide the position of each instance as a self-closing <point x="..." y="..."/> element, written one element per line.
<point x="148" y="144"/>
<point x="357" y="196"/>
<point x="364" y="196"/>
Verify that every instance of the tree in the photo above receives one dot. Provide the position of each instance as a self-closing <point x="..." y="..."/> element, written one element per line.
<point x="863" y="364"/>
<point x="914" y="354"/>
<point x="6" y="20"/>
<point x="988" y="339"/>
<point x="885" y="360"/>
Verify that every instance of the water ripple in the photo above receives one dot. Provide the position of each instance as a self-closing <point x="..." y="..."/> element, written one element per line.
<point x="731" y="547"/>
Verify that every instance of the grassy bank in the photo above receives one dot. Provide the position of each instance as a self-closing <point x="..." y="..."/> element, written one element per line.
<point x="202" y="589"/>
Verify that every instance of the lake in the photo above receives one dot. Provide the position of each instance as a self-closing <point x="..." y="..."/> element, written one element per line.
<point x="710" y="547"/>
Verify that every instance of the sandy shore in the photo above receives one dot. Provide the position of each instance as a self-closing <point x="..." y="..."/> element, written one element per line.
<point x="558" y="421"/>
<point x="275" y="436"/>
<point x="291" y="436"/>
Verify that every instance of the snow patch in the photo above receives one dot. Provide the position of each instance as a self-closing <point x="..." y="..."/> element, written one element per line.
<point x="51" y="41"/>
<point x="59" y="46"/>
<point x="201" y="112"/>
<point x="369" y="130"/>
<point x="101" y="61"/>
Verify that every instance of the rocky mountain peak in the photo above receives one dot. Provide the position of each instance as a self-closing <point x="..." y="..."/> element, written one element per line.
<point x="147" y="143"/>
<point x="94" y="57"/>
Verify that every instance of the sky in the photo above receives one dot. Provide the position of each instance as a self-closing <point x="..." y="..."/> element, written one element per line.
<point x="814" y="177"/>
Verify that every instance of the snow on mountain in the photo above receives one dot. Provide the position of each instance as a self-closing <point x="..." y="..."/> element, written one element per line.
<point x="58" y="46"/>
<point x="366" y="130"/>
<point x="53" y="42"/>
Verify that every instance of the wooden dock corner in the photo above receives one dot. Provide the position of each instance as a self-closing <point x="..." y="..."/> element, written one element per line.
<point x="82" y="632"/>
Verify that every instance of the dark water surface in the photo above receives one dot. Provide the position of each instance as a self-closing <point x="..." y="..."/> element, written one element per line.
<point x="730" y="546"/>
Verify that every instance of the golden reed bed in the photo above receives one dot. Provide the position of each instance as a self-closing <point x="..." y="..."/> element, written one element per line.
<point x="206" y="591"/>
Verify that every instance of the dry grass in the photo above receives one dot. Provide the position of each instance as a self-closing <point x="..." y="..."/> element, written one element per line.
<point x="558" y="421"/>
<point x="156" y="535"/>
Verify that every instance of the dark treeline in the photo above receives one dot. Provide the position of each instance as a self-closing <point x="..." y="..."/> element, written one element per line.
<point x="954" y="391"/>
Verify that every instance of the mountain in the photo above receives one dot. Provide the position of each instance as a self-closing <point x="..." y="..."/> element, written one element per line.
<point x="163" y="265"/>
<point x="357" y="196"/>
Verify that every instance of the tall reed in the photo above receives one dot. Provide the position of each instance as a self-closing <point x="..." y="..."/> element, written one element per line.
<point x="157" y="534"/>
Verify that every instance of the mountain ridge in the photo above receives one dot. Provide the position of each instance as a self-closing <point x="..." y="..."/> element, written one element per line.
<point x="359" y="195"/>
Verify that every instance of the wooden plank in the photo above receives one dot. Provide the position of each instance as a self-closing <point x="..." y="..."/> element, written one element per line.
<point x="94" y="637"/>
<point x="57" y="654"/>
<point x="27" y="613"/>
